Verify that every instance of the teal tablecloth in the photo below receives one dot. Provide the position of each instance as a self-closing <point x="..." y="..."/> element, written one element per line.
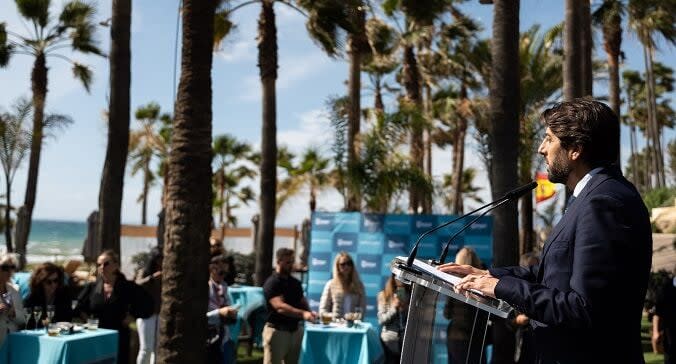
<point x="251" y="300"/>
<point x="336" y="345"/>
<point x="31" y="347"/>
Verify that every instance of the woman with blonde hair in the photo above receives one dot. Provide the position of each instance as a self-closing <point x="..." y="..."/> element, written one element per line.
<point x="344" y="292"/>
<point x="11" y="307"/>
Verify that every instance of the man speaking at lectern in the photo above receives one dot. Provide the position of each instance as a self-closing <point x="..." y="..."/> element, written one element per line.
<point x="585" y="298"/>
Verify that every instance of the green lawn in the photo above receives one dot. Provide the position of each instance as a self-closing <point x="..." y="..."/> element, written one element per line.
<point x="255" y="358"/>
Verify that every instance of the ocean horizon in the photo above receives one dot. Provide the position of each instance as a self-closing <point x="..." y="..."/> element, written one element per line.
<point x="53" y="240"/>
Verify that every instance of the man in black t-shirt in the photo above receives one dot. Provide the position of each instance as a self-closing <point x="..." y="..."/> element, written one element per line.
<point x="287" y="307"/>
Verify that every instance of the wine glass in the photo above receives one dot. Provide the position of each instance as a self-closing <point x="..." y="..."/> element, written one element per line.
<point x="37" y="314"/>
<point x="357" y="313"/>
<point x="50" y="312"/>
<point x="27" y="314"/>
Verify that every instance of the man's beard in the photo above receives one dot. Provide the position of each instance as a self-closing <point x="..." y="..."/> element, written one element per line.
<point x="559" y="170"/>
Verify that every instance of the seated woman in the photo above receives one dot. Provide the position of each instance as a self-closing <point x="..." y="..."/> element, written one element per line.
<point x="392" y="311"/>
<point x="11" y="307"/>
<point x="344" y="292"/>
<point x="114" y="301"/>
<point x="47" y="289"/>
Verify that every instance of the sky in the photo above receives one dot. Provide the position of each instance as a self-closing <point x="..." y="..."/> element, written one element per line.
<point x="72" y="161"/>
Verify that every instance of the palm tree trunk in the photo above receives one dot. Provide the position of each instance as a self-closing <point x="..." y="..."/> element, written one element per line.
<point x="39" y="88"/>
<point x="412" y="81"/>
<point x="221" y="193"/>
<point x="427" y="140"/>
<point x="8" y="216"/>
<point x="112" y="178"/>
<point x="586" y="45"/>
<point x="504" y="116"/>
<point x="354" y="115"/>
<point x="572" y="77"/>
<point x="183" y="324"/>
<point x="313" y="200"/>
<point x="378" y="104"/>
<point x="651" y="122"/>
<point x="146" y="187"/>
<point x="356" y="45"/>
<point x="633" y="156"/>
<point x="612" y="33"/>
<point x="267" y="62"/>
<point x="658" y="160"/>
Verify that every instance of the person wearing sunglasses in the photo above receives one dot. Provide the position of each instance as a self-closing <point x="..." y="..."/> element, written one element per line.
<point x="11" y="307"/>
<point x="47" y="289"/>
<point x="344" y="292"/>
<point x="114" y="301"/>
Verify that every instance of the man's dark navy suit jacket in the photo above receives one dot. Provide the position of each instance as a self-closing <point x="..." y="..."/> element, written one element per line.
<point x="585" y="298"/>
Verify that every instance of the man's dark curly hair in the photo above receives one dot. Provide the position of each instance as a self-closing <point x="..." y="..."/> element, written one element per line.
<point x="588" y="124"/>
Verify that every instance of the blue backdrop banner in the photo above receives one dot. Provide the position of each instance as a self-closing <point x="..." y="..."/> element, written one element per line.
<point x="373" y="240"/>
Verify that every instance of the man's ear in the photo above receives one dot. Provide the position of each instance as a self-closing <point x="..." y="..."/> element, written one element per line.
<point x="575" y="152"/>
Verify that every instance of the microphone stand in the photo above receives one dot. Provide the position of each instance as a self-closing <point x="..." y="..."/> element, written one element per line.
<point x="513" y="194"/>
<point x="414" y="251"/>
<point x="444" y="252"/>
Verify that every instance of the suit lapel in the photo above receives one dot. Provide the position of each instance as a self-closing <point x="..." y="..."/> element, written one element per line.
<point x="595" y="181"/>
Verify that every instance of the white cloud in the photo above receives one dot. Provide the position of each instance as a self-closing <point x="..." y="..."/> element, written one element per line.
<point x="292" y="70"/>
<point x="238" y="51"/>
<point x="313" y="129"/>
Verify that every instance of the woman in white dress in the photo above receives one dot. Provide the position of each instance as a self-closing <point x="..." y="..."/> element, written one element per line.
<point x="11" y="308"/>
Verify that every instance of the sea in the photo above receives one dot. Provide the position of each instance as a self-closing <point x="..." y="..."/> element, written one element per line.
<point x="52" y="240"/>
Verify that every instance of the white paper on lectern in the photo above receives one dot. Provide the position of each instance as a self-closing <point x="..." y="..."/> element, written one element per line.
<point x="434" y="271"/>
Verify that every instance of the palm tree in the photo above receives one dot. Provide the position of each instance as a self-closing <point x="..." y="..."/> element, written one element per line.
<point x="112" y="176"/>
<point x="311" y="172"/>
<point x="650" y="19"/>
<point x="417" y="17"/>
<point x="324" y="19"/>
<point x="144" y="145"/>
<point x="460" y="60"/>
<point x="383" y="171"/>
<point x="14" y="143"/>
<point x="504" y="139"/>
<point x="634" y="86"/>
<point x="469" y="190"/>
<point x="228" y="151"/>
<point x="73" y="28"/>
<point x="183" y="325"/>
<point x="608" y="16"/>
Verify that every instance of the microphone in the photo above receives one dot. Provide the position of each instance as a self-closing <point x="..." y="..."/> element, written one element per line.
<point x="513" y="194"/>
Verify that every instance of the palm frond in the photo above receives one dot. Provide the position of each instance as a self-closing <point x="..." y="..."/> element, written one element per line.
<point x="77" y="13"/>
<point x="222" y="27"/>
<point x="34" y="10"/>
<point x="56" y="122"/>
<point x="83" y="73"/>
<point x="5" y="47"/>
<point x="82" y="39"/>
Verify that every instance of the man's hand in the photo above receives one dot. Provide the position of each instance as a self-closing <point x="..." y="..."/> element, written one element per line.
<point x="461" y="269"/>
<point x="521" y="320"/>
<point x="475" y="282"/>
<point x="228" y="311"/>
<point x="309" y="316"/>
